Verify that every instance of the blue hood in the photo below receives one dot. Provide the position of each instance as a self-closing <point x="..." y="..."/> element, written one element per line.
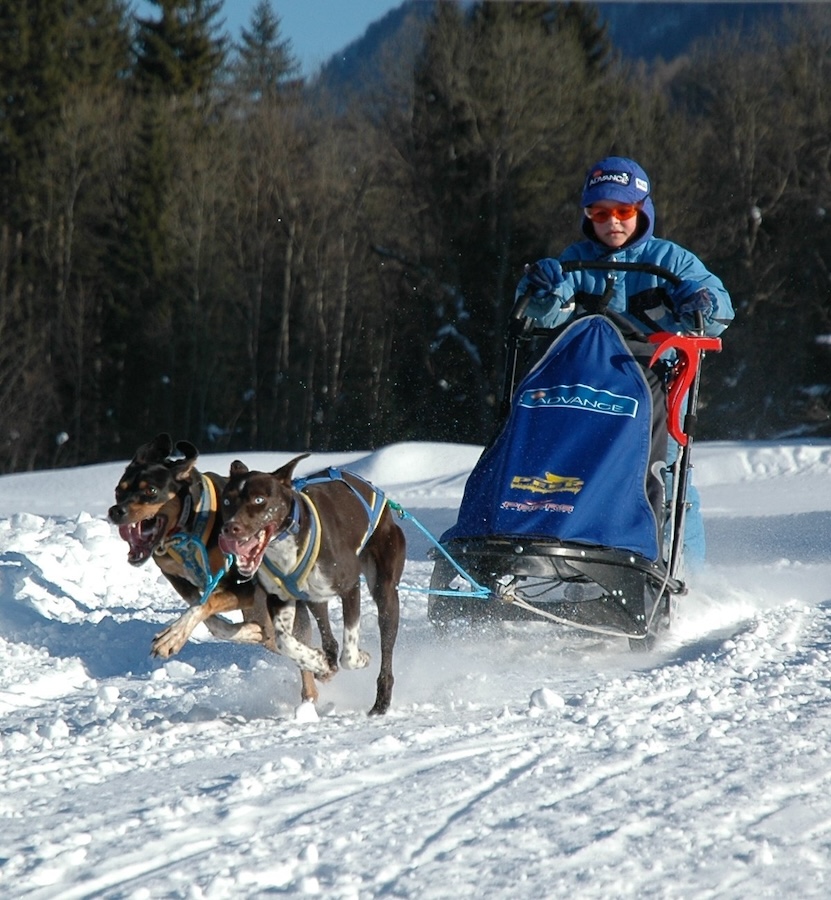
<point x="623" y="180"/>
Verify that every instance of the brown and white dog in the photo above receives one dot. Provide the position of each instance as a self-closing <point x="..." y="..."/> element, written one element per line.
<point x="310" y="541"/>
<point x="168" y="510"/>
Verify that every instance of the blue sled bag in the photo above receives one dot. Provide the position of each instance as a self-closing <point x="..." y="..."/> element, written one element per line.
<point x="580" y="457"/>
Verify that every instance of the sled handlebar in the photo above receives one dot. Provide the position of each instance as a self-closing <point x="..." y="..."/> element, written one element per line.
<point x="689" y="350"/>
<point x="574" y="265"/>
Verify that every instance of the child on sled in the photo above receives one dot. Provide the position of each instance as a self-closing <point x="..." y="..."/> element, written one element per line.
<point x="618" y="224"/>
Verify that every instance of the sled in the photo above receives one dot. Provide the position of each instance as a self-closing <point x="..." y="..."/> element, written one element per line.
<point x="564" y="517"/>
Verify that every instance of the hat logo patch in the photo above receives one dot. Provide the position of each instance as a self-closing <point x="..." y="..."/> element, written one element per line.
<point x="641" y="185"/>
<point x="601" y="177"/>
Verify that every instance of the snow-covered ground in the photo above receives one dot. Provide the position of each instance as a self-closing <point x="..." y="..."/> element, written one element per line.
<point x="516" y="762"/>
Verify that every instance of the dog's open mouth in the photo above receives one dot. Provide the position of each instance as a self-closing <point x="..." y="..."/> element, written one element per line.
<point x="248" y="553"/>
<point x="143" y="538"/>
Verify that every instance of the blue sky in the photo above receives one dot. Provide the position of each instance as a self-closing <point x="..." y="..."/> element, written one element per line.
<point x="317" y="29"/>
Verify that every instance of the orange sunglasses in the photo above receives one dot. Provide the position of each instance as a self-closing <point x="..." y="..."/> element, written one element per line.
<point x="621" y="213"/>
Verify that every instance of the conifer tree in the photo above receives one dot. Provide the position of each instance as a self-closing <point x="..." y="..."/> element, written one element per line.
<point x="264" y="59"/>
<point x="179" y="53"/>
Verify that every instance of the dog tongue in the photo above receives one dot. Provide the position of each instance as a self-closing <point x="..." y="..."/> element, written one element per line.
<point x="248" y="553"/>
<point x="228" y="545"/>
<point x="141" y="537"/>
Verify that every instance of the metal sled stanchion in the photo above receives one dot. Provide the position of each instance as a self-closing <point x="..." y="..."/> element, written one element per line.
<point x="686" y="384"/>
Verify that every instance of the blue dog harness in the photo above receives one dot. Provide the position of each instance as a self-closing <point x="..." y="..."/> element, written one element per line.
<point x="291" y="584"/>
<point x="189" y="547"/>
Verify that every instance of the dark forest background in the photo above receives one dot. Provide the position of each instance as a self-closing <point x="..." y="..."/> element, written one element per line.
<point x="195" y="239"/>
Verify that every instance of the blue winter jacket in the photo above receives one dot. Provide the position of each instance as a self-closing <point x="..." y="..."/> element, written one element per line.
<point x="640" y="296"/>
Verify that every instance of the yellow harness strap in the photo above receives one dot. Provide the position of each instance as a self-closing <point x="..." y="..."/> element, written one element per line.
<point x="291" y="583"/>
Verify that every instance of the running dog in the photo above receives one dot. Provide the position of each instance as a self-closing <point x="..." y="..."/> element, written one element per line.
<point x="168" y="510"/>
<point x="310" y="540"/>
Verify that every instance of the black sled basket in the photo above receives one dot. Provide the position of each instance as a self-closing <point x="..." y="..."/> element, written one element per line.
<point x="552" y="523"/>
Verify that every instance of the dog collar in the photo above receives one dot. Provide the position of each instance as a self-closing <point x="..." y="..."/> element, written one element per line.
<point x="205" y="509"/>
<point x="187" y="508"/>
<point x="189" y="545"/>
<point x="293" y="520"/>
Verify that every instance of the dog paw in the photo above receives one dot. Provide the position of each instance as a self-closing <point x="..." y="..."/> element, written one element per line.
<point x="352" y="658"/>
<point x="171" y="639"/>
<point x="160" y="649"/>
<point x="167" y="643"/>
<point x="250" y="633"/>
<point x="327" y="676"/>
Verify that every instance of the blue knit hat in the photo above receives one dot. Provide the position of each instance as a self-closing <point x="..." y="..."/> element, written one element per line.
<point x="615" y="178"/>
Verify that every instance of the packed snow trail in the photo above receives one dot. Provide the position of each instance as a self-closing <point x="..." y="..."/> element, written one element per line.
<point x="518" y="760"/>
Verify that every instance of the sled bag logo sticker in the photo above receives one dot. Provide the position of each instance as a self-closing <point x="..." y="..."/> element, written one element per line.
<point x="581" y="396"/>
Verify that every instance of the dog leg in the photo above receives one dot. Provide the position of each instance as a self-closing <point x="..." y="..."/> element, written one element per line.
<point x="303" y="632"/>
<point x="384" y="565"/>
<point x="307" y="658"/>
<point x="170" y="640"/>
<point x="330" y="646"/>
<point x="261" y="614"/>
<point x="240" y="632"/>
<point x="388" y="618"/>
<point x="352" y="657"/>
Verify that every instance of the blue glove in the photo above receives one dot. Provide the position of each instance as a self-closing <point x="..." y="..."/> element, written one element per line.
<point x="541" y="278"/>
<point x="690" y="297"/>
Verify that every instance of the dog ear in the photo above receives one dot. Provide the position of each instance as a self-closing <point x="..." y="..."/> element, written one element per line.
<point x="181" y="468"/>
<point x="154" y="451"/>
<point x="286" y="473"/>
<point x="238" y="468"/>
<point x="187" y="449"/>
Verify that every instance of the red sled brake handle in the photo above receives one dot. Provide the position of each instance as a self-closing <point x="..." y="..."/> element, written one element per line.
<point x="690" y="349"/>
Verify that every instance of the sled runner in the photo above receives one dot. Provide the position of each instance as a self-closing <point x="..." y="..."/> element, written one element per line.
<point x="564" y="515"/>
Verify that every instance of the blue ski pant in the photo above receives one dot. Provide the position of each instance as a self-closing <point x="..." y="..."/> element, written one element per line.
<point x="695" y="544"/>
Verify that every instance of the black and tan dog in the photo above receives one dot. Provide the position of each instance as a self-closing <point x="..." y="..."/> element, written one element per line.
<point x="168" y="510"/>
<point x="309" y="541"/>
